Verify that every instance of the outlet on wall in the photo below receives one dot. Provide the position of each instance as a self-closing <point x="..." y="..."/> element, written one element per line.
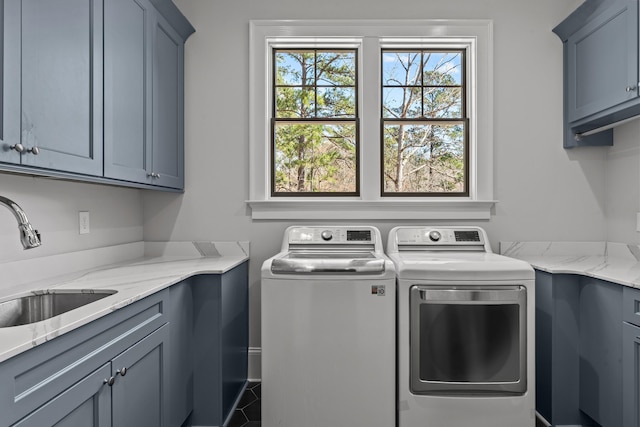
<point x="83" y="222"/>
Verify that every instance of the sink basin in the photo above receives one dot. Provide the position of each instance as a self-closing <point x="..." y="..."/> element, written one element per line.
<point x="34" y="308"/>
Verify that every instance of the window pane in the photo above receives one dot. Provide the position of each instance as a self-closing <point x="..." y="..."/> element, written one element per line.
<point x="424" y="158"/>
<point x="401" y="102"/>
<point x="400" y="68"/>
<point x="336" y="68"/>
<point x="295" y="68"/>
<point x="315" y="158"/>
<point x="442" y="69"/>
<point x="295" y="102"/>
<point x="442" y="102"/>
<point x="337" y="102"/>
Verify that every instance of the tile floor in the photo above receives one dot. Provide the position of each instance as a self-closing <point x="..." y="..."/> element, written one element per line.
<point x="247" y="414"/>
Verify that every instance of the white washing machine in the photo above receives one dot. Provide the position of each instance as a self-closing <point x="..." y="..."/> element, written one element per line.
<point x="465" y="330"/>
<point x="328" y="330"/>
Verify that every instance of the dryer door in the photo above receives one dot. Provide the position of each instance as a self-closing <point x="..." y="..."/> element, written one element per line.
<point x="468" y="340"/>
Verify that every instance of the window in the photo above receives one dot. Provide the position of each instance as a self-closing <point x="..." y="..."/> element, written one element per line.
<point x="315" y="137"/>
<point x="424" y="123"/>
<point x="371" y="119"/>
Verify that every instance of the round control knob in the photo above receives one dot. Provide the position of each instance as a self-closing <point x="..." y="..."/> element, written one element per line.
<point x="434" y="235"/>
<point x="326" y="235"/>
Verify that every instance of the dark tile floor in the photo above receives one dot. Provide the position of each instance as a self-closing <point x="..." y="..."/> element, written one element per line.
<point x="247" y="414"/>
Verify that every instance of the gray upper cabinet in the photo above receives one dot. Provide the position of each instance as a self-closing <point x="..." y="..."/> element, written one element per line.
<point x="53" y="96"/>
<point x="603" y="72"/>
<point x="168" y="98"/>
<point x="127" y="81"/>
<point x="92" y="90"/>
<point x="144" y="60"/>
<point x="600" y="69"/>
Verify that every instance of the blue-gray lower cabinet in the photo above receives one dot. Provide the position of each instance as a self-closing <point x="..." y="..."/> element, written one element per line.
<point x="631" y="358"/>
<point x="177" y="357"/>
<point x="135" y="398"/>
<point x="220" y="363"/>
<point x="579" y="368"/>
<point x="60" y="375"/>
<point x="600" y="326"/>
<point x="139" y="392"/>
<point x="86" y="404"/>
<point x="631" y="379"/>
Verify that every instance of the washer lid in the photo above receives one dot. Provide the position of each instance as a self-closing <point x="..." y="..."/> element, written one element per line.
<point x="450" y="266"/>
<point x="328" y="262"/>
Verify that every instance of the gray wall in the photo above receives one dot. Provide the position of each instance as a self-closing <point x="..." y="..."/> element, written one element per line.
<point x="544" y="192"/>
<point x="52" y="207"/>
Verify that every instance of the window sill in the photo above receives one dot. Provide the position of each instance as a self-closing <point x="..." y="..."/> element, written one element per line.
<point x="371" y="210"/>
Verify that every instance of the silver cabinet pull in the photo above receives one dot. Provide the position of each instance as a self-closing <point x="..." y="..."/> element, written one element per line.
<point x="122" y="371"/>
<point x="153" y="175"/>
<point x="631" y="88"/>
<point x="109" y="381"/>
<point x="20" y="149"/>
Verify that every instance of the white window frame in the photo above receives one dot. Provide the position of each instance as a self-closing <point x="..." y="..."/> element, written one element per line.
<point x="370" y="36"/>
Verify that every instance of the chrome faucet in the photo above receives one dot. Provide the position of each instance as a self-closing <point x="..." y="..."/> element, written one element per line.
<point x="29" y="237"/>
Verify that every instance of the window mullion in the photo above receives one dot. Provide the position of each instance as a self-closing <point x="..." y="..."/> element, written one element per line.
<point x="369" y="81"/>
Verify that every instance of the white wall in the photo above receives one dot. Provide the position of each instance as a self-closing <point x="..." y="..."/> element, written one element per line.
<point x="544" y="191"/>
<point x="52" y="207"/>
<point x="622" y="199"/>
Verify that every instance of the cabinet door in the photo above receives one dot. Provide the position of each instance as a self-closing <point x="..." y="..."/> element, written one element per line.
<point x="61" y="84"/>
<point x="601" y="351"/>
<point x="127" y="94"/>
<point x="168" y="106"/>
<point x="86" y="404"/>
<point x="139" y="394"/>
<point x="602" y="63"/>
<point x="631" y="375"/>
<point x="10" y="90"/>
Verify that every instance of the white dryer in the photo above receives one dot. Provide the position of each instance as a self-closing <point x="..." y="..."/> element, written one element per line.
<point x="328" y="330"/>
<point x="465" y="330"/>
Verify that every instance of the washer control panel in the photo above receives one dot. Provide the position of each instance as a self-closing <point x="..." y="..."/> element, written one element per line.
<point x="322" y="235"/>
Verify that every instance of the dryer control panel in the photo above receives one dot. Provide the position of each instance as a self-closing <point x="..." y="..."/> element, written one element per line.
<point x="441" y="238"/>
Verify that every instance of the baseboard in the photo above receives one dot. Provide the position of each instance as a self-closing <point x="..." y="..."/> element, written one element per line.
<point x="255" y="364"/>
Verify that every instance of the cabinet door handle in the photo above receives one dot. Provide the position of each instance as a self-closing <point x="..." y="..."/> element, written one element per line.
<point x="631" y="88"/>
<point x="153" y="175"/>
<point x="122" y="371"/>
<point x="17" y="147"/>
<point x="109" y="381"/>
<point x="20" y="149"/>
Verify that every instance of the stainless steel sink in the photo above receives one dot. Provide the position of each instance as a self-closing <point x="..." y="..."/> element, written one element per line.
<point x="34" y="308"/>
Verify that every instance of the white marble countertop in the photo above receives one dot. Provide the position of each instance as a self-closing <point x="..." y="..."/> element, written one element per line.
<point x="135" y="271"/>
<point x="614" y="262"/>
